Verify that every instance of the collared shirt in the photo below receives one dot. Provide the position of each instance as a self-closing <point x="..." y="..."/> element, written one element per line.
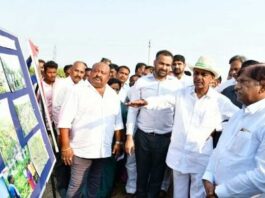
<point x="157" y="121"/>
<point x="92" y="119"/>
<point x="123" y="93"/>
<point x="61" y="89"/>
<point x="195" y="119"/>
<point x="186" y="80"/>
<point x="237" y="165"/>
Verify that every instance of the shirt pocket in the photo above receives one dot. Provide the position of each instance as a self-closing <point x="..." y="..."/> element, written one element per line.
<point x="241" y="144"/>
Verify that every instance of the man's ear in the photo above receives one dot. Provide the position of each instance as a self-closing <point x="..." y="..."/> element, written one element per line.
<point x="262" y="86"/>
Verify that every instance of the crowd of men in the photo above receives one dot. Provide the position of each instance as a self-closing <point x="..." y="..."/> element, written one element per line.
<point x="170" y="125"/>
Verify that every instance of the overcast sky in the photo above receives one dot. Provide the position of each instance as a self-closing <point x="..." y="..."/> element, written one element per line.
<point x="120" y="29"/>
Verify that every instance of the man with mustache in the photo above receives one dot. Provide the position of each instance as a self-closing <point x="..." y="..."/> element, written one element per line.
<point x="92" y="112"/>
<point x="237" y="166"/>
<point x="178" y="69"/>
<point x="153" y="127"/>
<point x="60" y="90"/>
<point x="198" y="110"/>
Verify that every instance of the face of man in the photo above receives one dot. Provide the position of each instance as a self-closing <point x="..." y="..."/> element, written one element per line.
<point x="140" y="70"/>
<point x="115" y="87"/>
<point x="178" y="67"/>
<point x="202" y="79"/>
<point x="87" y="74"/>
<point x="77" y="72"/>
<point x="99" y="75"/>
<point x="234" y="69"/>
<point x="162" y="66"/>
<point x="123" y="75"/>
<point x="67" y="72"/>
<point x="133" y="79"/>
<point x="41" y="68"/>
<point x="50" y="75"/>
<point x="113" y="73"/>
<point x="247" y="89"/>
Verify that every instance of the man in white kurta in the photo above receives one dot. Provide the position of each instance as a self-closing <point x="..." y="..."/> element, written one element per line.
<point x="198" y="110"/>
<point x="237" y="166"/>
<point x="93" y="114"/>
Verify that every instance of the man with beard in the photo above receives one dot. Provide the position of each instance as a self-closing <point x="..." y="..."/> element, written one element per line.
<point x="88" y="120"/>
<point x="198" y="110"/>
<point x="237" y="166"/>
<point x="154" y="127"/>
<point x="178" y="69"/>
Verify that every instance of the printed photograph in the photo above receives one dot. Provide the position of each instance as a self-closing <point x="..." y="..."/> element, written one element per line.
<point x="20" y="175"/>
<point x="38" y="153"/>
<point x="9" y="144"/>
<point x="13" y="71"/>
<point x="25" y="114"/>
<point x="3" y="82"/>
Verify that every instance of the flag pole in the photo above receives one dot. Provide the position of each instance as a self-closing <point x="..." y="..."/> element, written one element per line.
<point x="149" y="50"/>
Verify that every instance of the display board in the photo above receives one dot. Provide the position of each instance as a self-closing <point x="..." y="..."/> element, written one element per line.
<point x="26" y="154"/>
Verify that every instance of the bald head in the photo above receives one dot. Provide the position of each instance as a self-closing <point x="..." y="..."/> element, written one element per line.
<point x="99" y="75"/>
<point x="77" y="71"/>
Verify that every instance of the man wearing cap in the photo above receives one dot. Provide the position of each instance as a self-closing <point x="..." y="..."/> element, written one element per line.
<point x="198" y="110"/>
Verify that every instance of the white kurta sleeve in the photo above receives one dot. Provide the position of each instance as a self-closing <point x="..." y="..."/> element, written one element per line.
<point x="161" y="102"/>
<point x="133" y="112"/>
<point x="69" y="109"/>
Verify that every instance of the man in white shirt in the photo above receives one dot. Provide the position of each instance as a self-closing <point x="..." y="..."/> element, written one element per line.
<point x="49" y="78"/>
<point x="178" y="69"/>
<point x="93" y="114"/>
<point x="235" y="65"/>
<point x="61" y="89"/>
<point x="154" y="127"/>
<point x="123" y="75"/>
<point x="198" y="110"/>
<point x="237" y="166"/>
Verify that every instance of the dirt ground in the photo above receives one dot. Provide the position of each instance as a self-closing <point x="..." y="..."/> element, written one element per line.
<point x="119" y="192"/>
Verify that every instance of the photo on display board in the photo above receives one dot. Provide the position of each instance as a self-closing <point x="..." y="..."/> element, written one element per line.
<point x="13" y="72"/>
<point x="9" y="144"/>
<point x="21" y="174"/>
<point x="38" y="153"/>
<point x="3" y="82"/>
<point x="25" y="114"/>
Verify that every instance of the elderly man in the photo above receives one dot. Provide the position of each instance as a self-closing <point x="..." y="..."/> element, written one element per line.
<point x="93" y="114"/>
<point x="198" y="110"/>
<point x="237" y="166"/>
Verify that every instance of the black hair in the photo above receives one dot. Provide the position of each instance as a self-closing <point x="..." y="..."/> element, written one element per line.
<point x="105" y="60"/>
<point x="139" y="65"/>
<point x="66" y="67"/>
<point x="50" y="64"/>
<point x="114" y="81"/>
<point x="9" y="178"/>
<point x="113" y="66"/>
<point x="125" y="67"/>
<point x="179" y="57"/>
<point x="88" y="69"/>
<point x="164" y="52"/>
<point x="237" y="57"/>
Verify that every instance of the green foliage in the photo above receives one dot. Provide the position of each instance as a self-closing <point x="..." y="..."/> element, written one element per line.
<point x="60" y="72"/>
